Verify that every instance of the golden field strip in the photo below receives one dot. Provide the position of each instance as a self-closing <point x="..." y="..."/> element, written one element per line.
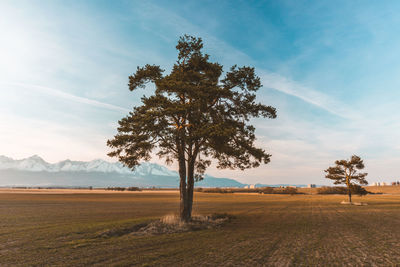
<point x="59" y="228"/>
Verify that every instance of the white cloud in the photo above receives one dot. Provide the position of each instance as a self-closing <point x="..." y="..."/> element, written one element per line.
<point x="325" y="102"/>
<point x="53" y="141"/>
<point x="66" y="96"/>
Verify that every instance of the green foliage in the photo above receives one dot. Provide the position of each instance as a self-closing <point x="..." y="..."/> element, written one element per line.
<point x="194" y="116"/>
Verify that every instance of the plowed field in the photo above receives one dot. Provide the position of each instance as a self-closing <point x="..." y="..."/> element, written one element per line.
<point x="64" y="229"/>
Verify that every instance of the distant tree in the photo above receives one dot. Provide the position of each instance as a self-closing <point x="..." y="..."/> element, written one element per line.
<point x="346" y="172"/>
<point x="192" y="117"/>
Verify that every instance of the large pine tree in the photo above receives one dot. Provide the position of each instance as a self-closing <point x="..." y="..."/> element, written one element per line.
<point x="193" y="117"/>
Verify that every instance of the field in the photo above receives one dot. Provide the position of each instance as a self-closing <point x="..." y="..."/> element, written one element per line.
<point x="53" y="228"/>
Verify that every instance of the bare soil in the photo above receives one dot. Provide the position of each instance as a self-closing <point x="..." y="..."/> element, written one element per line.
<point x="83" y="229"/>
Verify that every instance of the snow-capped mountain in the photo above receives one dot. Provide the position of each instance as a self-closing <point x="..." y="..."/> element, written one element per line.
<point x="34" y="171"/>
<point x="34" y="163"/>
<point x="37" y="164"/>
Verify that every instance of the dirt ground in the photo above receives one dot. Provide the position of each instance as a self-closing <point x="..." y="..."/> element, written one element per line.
<point x="59" y="229"/>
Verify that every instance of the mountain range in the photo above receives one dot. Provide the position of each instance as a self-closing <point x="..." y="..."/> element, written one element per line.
<point x="34" y="172"/>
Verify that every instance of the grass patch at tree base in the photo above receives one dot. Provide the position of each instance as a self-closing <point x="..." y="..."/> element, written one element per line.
<point x="173" y="224"/>
<point x="170" y="224"/>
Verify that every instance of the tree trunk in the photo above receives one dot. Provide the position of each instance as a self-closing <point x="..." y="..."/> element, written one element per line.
<point x="183" y="204"/>
<point x="190" y="187"/>
<point x="349" y="195"/>
<point x="349" y="192"/>
<point x="348" y="187"/>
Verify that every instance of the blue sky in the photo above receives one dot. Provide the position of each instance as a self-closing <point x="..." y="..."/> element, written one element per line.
<point x="329" y="67"/>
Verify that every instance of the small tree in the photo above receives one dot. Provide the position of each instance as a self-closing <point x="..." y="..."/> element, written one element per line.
<point x="345" y="172"/>
<point x="193" y="116"/>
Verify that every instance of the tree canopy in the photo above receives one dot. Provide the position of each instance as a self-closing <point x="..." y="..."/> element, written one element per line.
<point x="194" y="116"/>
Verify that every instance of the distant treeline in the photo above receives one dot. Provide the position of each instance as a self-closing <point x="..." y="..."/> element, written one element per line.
<point x="132" y="188"/>
<point x="341" y="190"/>
<point x="49" y="187"/>
<point x="262" y="190"/>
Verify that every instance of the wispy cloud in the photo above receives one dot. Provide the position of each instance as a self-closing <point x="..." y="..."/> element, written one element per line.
<point x="231" y="55"/>
<point x="323" y="101"/>
<point x="67" y="96"/>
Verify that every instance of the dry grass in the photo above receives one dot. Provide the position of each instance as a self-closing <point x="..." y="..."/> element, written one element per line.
<point x="384" y="189"/>
<point x="170" y="224"/>
<point x="273" y="230"/>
